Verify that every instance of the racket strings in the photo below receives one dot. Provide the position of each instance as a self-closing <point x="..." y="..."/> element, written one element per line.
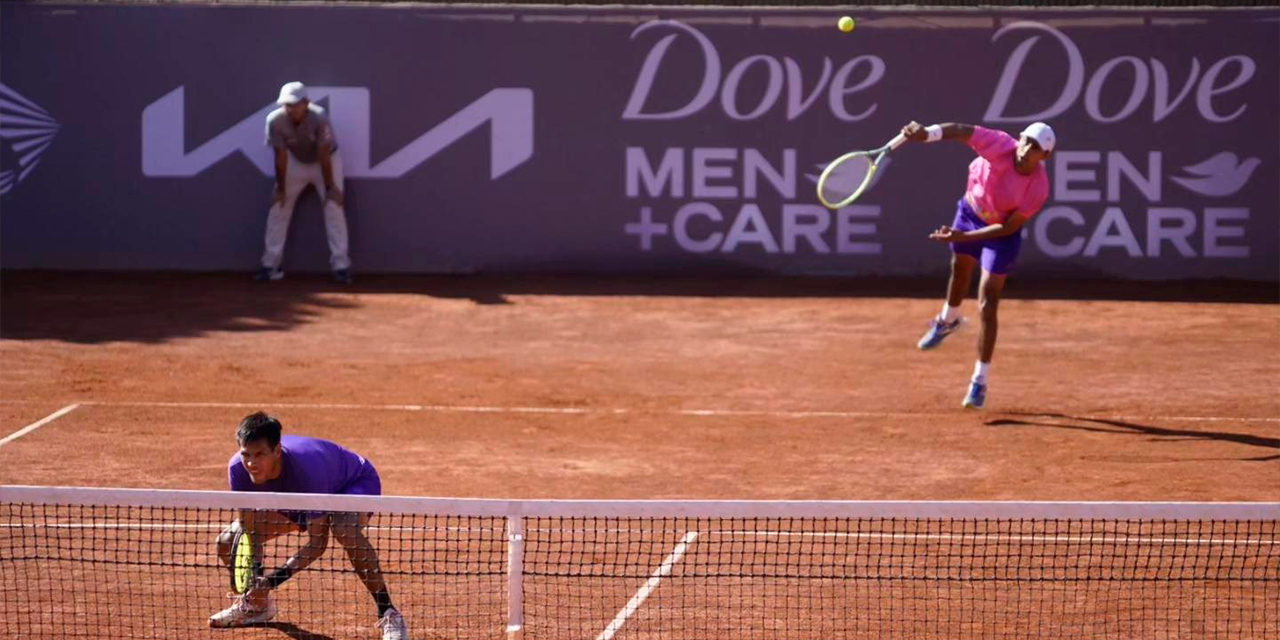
<point x="846" y="179"/>
<point x="244" y="567"/>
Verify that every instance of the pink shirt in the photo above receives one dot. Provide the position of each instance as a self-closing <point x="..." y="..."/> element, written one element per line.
<point x="997" y="189"/>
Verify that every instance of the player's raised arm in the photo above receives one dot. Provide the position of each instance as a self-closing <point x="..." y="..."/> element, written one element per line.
<point x="917" y="132"/>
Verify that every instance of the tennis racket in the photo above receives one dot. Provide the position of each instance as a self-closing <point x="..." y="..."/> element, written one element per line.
<point x="849" y="176"/>
<point x="244" y="567"/>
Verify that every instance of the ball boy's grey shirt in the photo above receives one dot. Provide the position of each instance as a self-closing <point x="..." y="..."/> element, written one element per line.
<point x="303" y="139"/>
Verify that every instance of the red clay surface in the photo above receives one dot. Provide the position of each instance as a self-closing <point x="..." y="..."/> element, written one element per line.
<point x="810" y="394"/>
<point x="480" y="387"/>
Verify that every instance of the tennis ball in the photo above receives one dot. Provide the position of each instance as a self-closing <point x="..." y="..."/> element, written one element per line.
<point x="845" y="24"/>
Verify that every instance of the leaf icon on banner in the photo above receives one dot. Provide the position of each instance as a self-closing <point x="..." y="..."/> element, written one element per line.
<point x="1221" y="175"/>
<point x="27" y="130"/>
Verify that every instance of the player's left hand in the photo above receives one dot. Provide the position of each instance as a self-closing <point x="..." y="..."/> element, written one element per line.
<point x="335" y="194"/>
<point x="945" y="234"/>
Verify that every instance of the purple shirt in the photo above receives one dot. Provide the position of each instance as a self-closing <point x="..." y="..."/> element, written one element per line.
<point x="995" y="187"/>
<point x="308" y="465"/>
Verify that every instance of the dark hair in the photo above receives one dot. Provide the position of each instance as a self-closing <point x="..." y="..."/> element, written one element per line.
<point x="259" y="426"/>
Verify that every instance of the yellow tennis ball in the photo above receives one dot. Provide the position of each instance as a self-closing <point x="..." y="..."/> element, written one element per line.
<point x="845" y="24"/>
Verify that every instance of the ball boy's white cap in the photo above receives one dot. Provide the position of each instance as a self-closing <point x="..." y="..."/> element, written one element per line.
<point x="292" y="93"/>
<point x="1042" y="134"/>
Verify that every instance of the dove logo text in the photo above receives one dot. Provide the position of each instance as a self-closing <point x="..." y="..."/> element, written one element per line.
<point x="837" y="84"/>
<point x="1206" y="87"/>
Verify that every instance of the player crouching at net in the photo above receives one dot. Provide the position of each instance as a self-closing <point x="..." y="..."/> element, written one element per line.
<point x="267" y="461"/>
<point x="1007" y="185"/>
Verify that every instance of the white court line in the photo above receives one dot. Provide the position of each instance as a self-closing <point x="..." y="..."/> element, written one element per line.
<point x="1113" y="539"/>
<point x="623" y="411"/>
<point x="636" y="600"/>
<point x="37" y="424"/>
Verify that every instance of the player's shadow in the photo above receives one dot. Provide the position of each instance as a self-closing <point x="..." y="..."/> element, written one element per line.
<point x="92" y="308"/>
<point x="1121" y="427"/>
<point x="293" y="631"/>
<point x="153" y="307"/>
<point x="711" y="281"/>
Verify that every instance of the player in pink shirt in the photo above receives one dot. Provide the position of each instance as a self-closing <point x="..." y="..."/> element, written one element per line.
<point x="1007" y="185"/>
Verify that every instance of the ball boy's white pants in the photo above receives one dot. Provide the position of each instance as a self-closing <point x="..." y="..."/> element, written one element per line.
<point x="296" y="179"/>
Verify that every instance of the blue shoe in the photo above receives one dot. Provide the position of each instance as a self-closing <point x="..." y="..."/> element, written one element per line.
<point x="938" y="331"/>
<point x="267" y="274"/>
<point x="976" y="397"/>
<point x="342" y="276"/>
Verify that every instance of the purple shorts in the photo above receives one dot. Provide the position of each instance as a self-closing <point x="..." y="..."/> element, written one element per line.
<point x="997" y="255"/>
<point x="366" y="484"/>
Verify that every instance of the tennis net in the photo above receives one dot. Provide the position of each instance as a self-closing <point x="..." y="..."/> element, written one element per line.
<point x="128" y="563"/>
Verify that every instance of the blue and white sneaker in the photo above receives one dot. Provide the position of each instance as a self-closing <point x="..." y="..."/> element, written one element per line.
<point x="977" y="396"/>
<point x="938" y="331"/>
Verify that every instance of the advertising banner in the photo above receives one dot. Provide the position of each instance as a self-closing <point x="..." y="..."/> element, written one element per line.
<point x="627" y="140"/>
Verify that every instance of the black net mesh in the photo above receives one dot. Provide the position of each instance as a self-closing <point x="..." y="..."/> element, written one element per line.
<point x="71" y="571"/>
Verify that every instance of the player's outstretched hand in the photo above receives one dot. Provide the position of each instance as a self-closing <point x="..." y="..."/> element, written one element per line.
<point x="945" y="234"/>
<point x="915" y="131"/>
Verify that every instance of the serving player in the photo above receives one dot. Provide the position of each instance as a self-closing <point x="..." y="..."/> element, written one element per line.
<point x="1007" y="185"/>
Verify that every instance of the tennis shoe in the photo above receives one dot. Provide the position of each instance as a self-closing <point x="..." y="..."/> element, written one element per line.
<point x="939" y="329"/>
<point x="977" y="396"/>
<point x="241" y="614"/>
<point x="342" y="276"/>
<point x="267" y="274"/>
<point x="393" y="626"/>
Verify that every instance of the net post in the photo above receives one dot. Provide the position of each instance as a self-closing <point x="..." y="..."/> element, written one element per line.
<point x="515" y="577"/>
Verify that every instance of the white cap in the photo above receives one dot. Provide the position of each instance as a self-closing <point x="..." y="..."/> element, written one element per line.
<point x="1042" y="134"/>
<point x="292" y="93"/>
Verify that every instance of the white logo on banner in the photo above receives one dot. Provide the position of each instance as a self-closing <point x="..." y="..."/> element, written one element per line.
<point x="1103" y="177"/>
<point x="707" y="199"/>
<point x="27" y="131"/>
<point x="1216" y="231"/>
<point x="507" y="111"/>
<point x="854" y="76"/>
<point x="697" y="182"/>
<point x="1221" y="175"/>
<point x="1222" y="77"/>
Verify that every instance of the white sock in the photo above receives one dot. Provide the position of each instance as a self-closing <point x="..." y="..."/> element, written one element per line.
<point x="980" y="372"/>
<point x="949" y="313"/>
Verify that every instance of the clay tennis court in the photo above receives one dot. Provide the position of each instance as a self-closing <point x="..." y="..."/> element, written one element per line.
<point x="642" y="389"/>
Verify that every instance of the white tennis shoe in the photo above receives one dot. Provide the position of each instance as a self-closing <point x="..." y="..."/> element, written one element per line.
<point x="393" y="626"/>
<point x="241" y="614"/>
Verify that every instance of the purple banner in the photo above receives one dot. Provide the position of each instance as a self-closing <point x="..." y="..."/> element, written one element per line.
<point x="613" y="140"/>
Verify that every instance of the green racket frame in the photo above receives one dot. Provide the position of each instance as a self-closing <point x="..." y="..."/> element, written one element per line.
<point x="877" y="154"/>
<point x="244" y="567"/>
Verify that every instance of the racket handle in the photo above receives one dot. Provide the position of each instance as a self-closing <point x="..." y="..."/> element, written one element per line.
<point x="896" y="142"/>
